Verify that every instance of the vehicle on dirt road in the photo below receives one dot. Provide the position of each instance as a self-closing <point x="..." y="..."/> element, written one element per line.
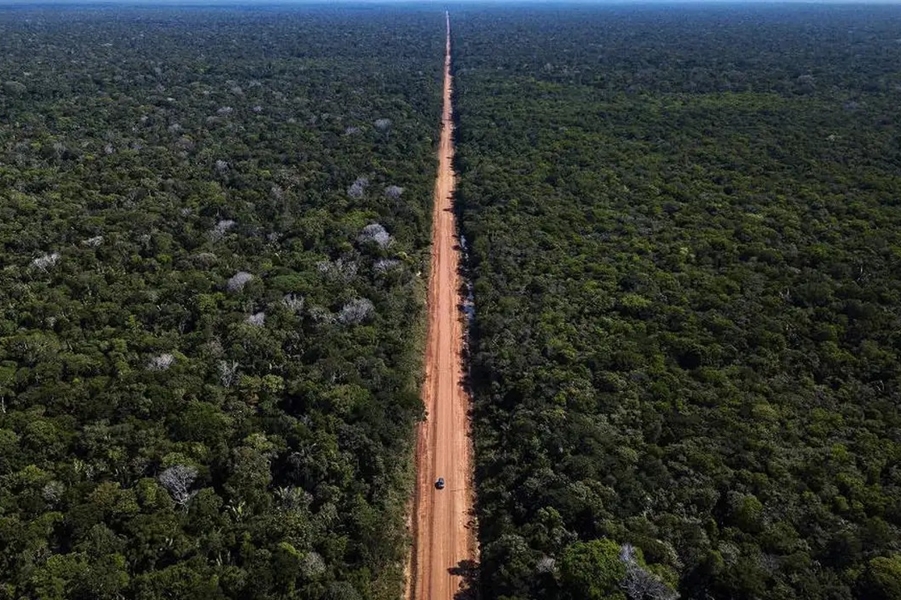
<point x="440" y="483"/>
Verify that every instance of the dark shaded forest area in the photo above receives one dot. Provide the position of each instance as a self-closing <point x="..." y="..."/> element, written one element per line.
<point x="685" y="244"/>
<point x="212" y="228"/>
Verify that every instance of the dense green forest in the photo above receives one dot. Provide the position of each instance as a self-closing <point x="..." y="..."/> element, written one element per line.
<point x="685" y="246"/>
<point x="212" y="228"/>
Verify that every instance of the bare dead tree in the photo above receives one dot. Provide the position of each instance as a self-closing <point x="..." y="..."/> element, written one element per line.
<point x="358" y="188"/>
<point x="394" y="192"/>
<point x="222" y="227"/>
<point x="293" y="302"/>
<point x="228" y="372"/>
<point x="356" y="311"/>
<point x="178" y="480"/>
<point x="385" y="264"/>
<point x="161" y="362"/>
<point x="238" y="281"/>
<point x="46" y="261"/>
<point x="639" y="583"/>
<point x="257" y="319"/>
<point x="384" y="126"/>
<point x="375" y="233"/>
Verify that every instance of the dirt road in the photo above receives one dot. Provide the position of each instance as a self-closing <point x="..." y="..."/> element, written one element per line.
<point x="444" y="539"/>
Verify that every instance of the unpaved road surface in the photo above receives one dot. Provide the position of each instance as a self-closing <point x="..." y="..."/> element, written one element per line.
<point x="443" y="534"/>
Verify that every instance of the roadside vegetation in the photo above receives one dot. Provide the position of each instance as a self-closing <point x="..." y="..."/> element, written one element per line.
<point x="685" y="240"/>
<point x="212" y="224"/>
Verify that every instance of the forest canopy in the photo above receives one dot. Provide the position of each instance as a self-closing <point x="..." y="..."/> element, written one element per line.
<point x="212" y="224"/>
<point x="684" y="242"/>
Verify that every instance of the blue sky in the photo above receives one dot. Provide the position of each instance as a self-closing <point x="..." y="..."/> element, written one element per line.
<point x="450" y="3"/>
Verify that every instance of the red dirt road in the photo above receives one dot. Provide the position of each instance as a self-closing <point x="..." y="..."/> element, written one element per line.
<point x="443" y="534"/>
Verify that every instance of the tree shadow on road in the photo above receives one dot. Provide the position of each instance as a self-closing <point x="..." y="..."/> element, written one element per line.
<point x="468" y="570"/>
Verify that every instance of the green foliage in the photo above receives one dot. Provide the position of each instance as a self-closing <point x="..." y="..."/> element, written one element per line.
<point x="882" y="578"/>
<point x="683" y="236"/>
<point x="168" y="428"/>
<point x="592" y="570"/>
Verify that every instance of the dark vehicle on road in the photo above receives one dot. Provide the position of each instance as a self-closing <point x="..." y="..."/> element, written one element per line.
<point x="440" y="483"/>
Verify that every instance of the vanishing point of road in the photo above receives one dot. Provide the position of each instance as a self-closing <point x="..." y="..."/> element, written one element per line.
<point x="443" y="527"/>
